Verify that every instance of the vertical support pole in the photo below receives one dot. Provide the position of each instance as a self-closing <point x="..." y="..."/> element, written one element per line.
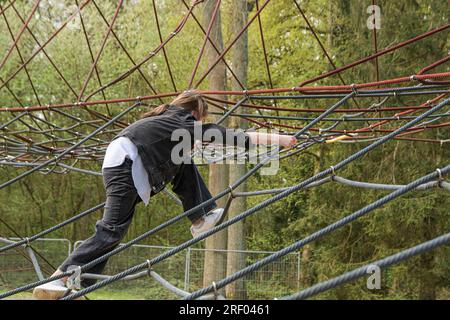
<point x="69" y="250"/>
<point x="299" y="259"/>
<point x="36" y="266"/>
<point x="236" y="232"/>
<point x="215" y="261"/>
<point x="187" y="269"/>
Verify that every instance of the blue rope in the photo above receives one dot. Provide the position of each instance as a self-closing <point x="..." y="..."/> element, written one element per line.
<point x="264" y="204"/>
<point x="318" y="234"/>
<point x="362" y="271"/>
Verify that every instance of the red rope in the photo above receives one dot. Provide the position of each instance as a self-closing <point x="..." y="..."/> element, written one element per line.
<point x="20" y="57"/>
<point x="44" y="45"/>
<point x="317" y="110"/>
<point x="91" y="54"/>
<point x="7" y="6"/>
<point x="102" y="88"/>
<point x="432" y="66"/>
<point x="318" y="89"/>
<point x="149" y="56"/>
<point x="215" y="48"/>
<point x="373" y="56"/>
<point x="19" y="35"/>
<point x="100" y="51"/>
<point x="231" y="44"/>
<point x="155" y="12"/>
<point x="202" y="50"/>
<point x="41" y="47"/>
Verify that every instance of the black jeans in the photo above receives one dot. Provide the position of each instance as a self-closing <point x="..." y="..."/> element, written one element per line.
<point x="121" y="199"/>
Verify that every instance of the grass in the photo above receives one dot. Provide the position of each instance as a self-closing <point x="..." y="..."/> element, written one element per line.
<point x="97" y="295"/>
<point x="113" y="293"/>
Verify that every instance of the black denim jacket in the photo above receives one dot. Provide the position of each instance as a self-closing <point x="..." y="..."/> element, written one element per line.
<point x="152" y="137"/>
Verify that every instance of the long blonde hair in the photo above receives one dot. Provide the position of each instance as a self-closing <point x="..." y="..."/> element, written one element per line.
<point x="191" y="100"/>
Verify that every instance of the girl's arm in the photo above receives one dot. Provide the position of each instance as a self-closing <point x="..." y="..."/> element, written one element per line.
<point x="272" y="138"/>
<point x="237" y="137"/>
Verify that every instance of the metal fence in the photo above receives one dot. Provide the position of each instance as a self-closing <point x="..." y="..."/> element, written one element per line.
<point x="16" y="265"/>
<point x="273" y="280"/>
<point x="184" y="270"/>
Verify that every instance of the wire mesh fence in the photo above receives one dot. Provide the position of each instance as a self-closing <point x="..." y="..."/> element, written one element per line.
<point x="17" y="268"/>
<point x="172" y="269"/>
<point x="273" y="280"/>
<point x="184" y="270"/>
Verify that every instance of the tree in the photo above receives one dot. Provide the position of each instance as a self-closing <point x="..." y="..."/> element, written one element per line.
<point x="215" y="261"/>
<point x="236" y="235"/>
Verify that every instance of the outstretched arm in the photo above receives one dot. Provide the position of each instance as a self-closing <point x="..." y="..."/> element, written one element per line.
<point x="236" y="137"/>
<point x="272" y="138"/>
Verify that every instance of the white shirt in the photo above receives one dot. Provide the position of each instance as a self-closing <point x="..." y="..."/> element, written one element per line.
<point x="115" y="155"/>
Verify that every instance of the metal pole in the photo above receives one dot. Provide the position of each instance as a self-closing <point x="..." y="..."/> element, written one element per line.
<point x="187" y="269"/>
<point x="35" y="262"/>
<point x="69" y="249"/>
<point x="32" y="256"/>
<point x="299" y="258"/>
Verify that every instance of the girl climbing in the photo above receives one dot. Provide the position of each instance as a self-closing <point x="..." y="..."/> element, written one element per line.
<point x="139" y="163"/>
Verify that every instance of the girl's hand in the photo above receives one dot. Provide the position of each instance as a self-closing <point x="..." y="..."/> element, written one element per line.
<point x="272" y="138"/>
<point x="287" y="141"/>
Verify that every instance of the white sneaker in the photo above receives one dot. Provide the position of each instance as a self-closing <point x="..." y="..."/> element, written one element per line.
<point x="210" y="220"/>
<point x="50" y="291"/>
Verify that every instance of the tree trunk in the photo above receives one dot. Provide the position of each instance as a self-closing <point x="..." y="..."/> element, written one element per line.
<point x="305" y="275"/>
<point x="330" y="27"/>
<point x="428" y="279"/>
<point x="236" y="235"/>
<point x="307" y="271"/>
<point x="215" y="261"/>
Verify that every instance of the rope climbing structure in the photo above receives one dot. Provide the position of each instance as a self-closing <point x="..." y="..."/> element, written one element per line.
<point x="59" y="138"/>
